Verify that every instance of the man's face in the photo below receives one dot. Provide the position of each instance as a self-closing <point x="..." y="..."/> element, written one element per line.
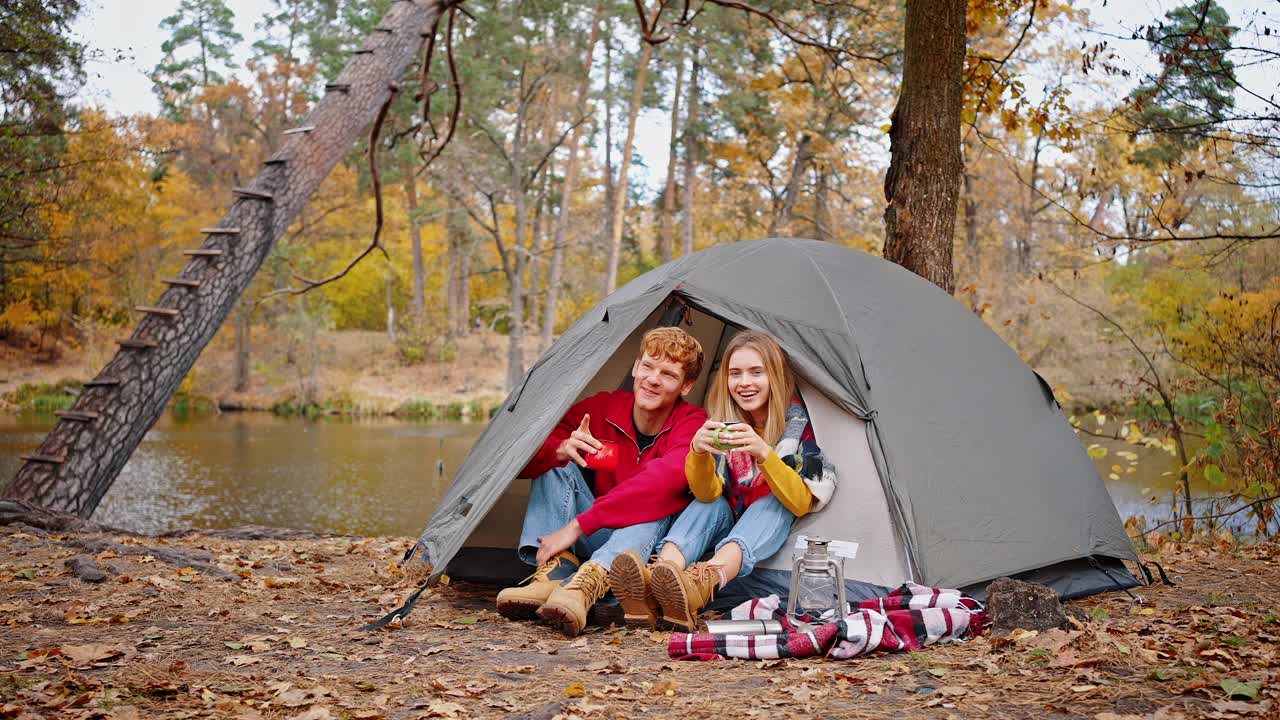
<point x="658" y="382"/>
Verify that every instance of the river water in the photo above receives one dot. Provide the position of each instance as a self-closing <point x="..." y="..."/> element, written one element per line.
<point x="372" y="477"/>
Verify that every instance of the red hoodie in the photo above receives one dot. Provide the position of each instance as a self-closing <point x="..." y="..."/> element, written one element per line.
<point x="646" y="486"/>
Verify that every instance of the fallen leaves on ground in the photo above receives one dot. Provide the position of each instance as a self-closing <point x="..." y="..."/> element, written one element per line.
<point x="278" y="641"/>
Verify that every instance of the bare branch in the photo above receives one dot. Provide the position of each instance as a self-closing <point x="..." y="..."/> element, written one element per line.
<point x="376" y="243"/>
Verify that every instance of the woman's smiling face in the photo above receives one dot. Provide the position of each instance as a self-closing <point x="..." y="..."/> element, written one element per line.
<point x="749" y="383"/>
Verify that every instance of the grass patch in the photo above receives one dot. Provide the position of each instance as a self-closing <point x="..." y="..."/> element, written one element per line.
<point x="44" y="397"/>
<point x="417" y="409"/>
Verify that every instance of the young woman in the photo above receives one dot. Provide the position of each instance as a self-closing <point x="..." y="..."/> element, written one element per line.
<point x="753" y="469"/>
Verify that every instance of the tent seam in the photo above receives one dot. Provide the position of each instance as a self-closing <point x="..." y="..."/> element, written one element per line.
<point x="913" y="561"/>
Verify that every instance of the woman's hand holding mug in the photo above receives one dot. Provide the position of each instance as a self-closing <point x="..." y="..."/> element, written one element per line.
<point x="716" y="437"/>
<point x="744" y="438"/>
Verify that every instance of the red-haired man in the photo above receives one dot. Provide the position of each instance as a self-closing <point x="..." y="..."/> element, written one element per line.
<point x="577" y="514"/>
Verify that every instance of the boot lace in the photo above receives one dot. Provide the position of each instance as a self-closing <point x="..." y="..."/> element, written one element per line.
<point x="590" y="581"/>
<point x="544" y="571"/>
<point x="704" y="574"/>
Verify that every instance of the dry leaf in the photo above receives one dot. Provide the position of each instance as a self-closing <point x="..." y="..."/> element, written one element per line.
<point x="92" y="652"/>
<point x="666" y="687"/>
<point x="163" y="583"/>
<point x="443" y="708"/>
<point x="576" y="690"/>
<point x="279" y="582"/>
<point x="241" y="660"/>
<point x="316" y="712"/>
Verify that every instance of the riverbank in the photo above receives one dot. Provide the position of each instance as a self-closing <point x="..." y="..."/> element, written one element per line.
<point x="348" y="373"/>
<point x="354" y="373"/>
<point x="219" y="626"/>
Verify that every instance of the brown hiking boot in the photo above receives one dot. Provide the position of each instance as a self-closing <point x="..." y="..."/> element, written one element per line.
<point x="566" y="609"/>
<point x="629" y="580"/>
<point x="683" y="593"/>
<point x="522" y="602"/>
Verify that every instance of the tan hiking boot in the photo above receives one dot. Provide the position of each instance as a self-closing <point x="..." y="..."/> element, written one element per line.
<point x="683" y="593"/>
<point x="566" y="609"/>
<point x="522" y="602"/>
<point x="629" y="580"/>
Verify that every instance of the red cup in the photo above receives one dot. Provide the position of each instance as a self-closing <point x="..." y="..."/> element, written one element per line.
<point x="606" y="458"/>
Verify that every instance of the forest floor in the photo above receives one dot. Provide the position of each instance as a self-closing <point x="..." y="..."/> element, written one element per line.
<point x="215" y="626"/>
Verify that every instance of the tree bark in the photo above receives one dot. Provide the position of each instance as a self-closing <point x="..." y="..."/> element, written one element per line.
<point x="515" y="267"/>
<point x="690" y="150"/>
<point x="450" y="289"/>
<point x="971" y="219"/>
<point x="782" y="221"/>
<point x="464" y="284"/>
<point x="244" y="326"/>
<point x="1027" y="239"/>
<point x="391" y="308"/>
<point x="418" y="305"/>
<point x="923" y="180"/>
<point x="78" y="461"/>
<point x="822" y="229"/>
<point x="537" y="269"/>
<point x="556" y="267"/>
<point x="669" y="192"/>
<point x="624" y="164"/>
<point x="609" y="187"/>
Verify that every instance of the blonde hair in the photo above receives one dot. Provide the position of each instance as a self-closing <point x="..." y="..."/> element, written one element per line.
<point x="782" y="384"/>
<point x="676" y="345"/>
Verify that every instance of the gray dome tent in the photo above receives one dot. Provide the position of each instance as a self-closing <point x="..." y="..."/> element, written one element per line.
<point x="956" y="465"/>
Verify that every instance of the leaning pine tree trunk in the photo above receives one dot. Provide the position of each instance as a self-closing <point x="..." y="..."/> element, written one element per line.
<point x="78" y="461"/>
<point x="923" y="181"/>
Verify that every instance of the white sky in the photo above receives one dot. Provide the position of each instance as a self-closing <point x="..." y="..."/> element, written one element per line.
<point x="132" y="27"/>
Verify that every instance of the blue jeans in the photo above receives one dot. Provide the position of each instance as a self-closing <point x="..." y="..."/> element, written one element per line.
<point x="561" y="494"/>
<point x="760" y="531"/>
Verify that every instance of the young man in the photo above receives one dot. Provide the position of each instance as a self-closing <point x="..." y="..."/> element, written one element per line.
<point x="576" y="513"/>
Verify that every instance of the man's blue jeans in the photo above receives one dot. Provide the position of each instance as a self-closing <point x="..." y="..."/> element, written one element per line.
<point x="760" y="531"/>
<point x="558" y="496"/>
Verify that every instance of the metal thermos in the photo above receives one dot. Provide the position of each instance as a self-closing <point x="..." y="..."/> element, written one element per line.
<point x="744" y="627"/>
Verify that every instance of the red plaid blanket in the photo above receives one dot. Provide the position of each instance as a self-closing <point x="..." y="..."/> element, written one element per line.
<point x="908" y="618"/>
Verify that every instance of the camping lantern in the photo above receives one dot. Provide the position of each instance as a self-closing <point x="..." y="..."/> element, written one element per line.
<point x="817" y="584"/>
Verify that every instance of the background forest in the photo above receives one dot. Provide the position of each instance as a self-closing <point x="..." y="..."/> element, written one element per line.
<point x="1117" y="221"/>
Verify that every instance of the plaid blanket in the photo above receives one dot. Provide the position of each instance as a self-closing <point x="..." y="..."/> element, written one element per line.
<point x="908" y="618"/>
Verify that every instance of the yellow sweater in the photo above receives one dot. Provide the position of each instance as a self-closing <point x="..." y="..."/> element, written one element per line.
<point x="784" y="483"/>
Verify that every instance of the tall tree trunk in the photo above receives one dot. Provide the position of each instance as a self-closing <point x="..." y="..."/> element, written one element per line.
<point x="822" y="229"/>
<point x="974" y="252"/>
<point x="79" y="460"/>
<point x="452" y="262"/>
<point x="624" y="164"/>
<point x="391" y="308"/>
<point x="690" y="149"/>
<point x="609" y="187"/>
<point x="519" y="249"/>
<point x="556" y="268"/>
<point x="418" y="305"/>
<point x="782" y="221"/>
<point x="923" y="180"/>
<point x="669" y="193"/>
<point x="537" y="264"/>
<point x="240" y="367"/>
<point x="464" y="284"/>
<point x="1027" y="238"/>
